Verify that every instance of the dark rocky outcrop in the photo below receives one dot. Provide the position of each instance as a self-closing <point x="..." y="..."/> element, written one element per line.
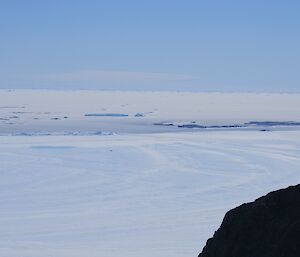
<point x="267" y="227"/>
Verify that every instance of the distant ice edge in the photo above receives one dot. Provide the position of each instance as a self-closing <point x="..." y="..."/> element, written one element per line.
<point x="63" y="133"/>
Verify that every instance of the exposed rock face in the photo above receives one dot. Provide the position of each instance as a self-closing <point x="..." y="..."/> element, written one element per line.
<point x="267" y="227"/>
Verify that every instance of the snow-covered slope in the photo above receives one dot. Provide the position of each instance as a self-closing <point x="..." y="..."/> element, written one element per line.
<point x="147" y="195"/>
<point x="104" y="185"/>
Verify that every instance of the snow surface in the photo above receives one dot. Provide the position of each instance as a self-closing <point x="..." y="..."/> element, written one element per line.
<point x="74" y="185"/>
<point x="133" y="195"/>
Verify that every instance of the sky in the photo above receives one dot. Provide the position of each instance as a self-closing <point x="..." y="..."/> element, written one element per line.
<point x="180" y="45"/>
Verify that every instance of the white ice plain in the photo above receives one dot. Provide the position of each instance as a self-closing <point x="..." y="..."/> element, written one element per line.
<point x="43" y="111"/>
<point x="133" y="194"/>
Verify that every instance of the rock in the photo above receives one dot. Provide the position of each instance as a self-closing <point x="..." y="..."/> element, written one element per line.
<point x="267" y="227"/>
<point x="191" y="126"/>
<point x="164" y="123"/>
<point x="139" y="115"/>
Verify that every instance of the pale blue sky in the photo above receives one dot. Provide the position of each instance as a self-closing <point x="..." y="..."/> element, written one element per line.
<point x="186" y="45"/>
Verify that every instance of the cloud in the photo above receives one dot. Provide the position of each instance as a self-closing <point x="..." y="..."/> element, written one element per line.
<point x="116" y="76"/>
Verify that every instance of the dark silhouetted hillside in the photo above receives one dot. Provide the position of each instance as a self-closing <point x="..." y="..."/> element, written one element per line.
<point x="267" y="227"/>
